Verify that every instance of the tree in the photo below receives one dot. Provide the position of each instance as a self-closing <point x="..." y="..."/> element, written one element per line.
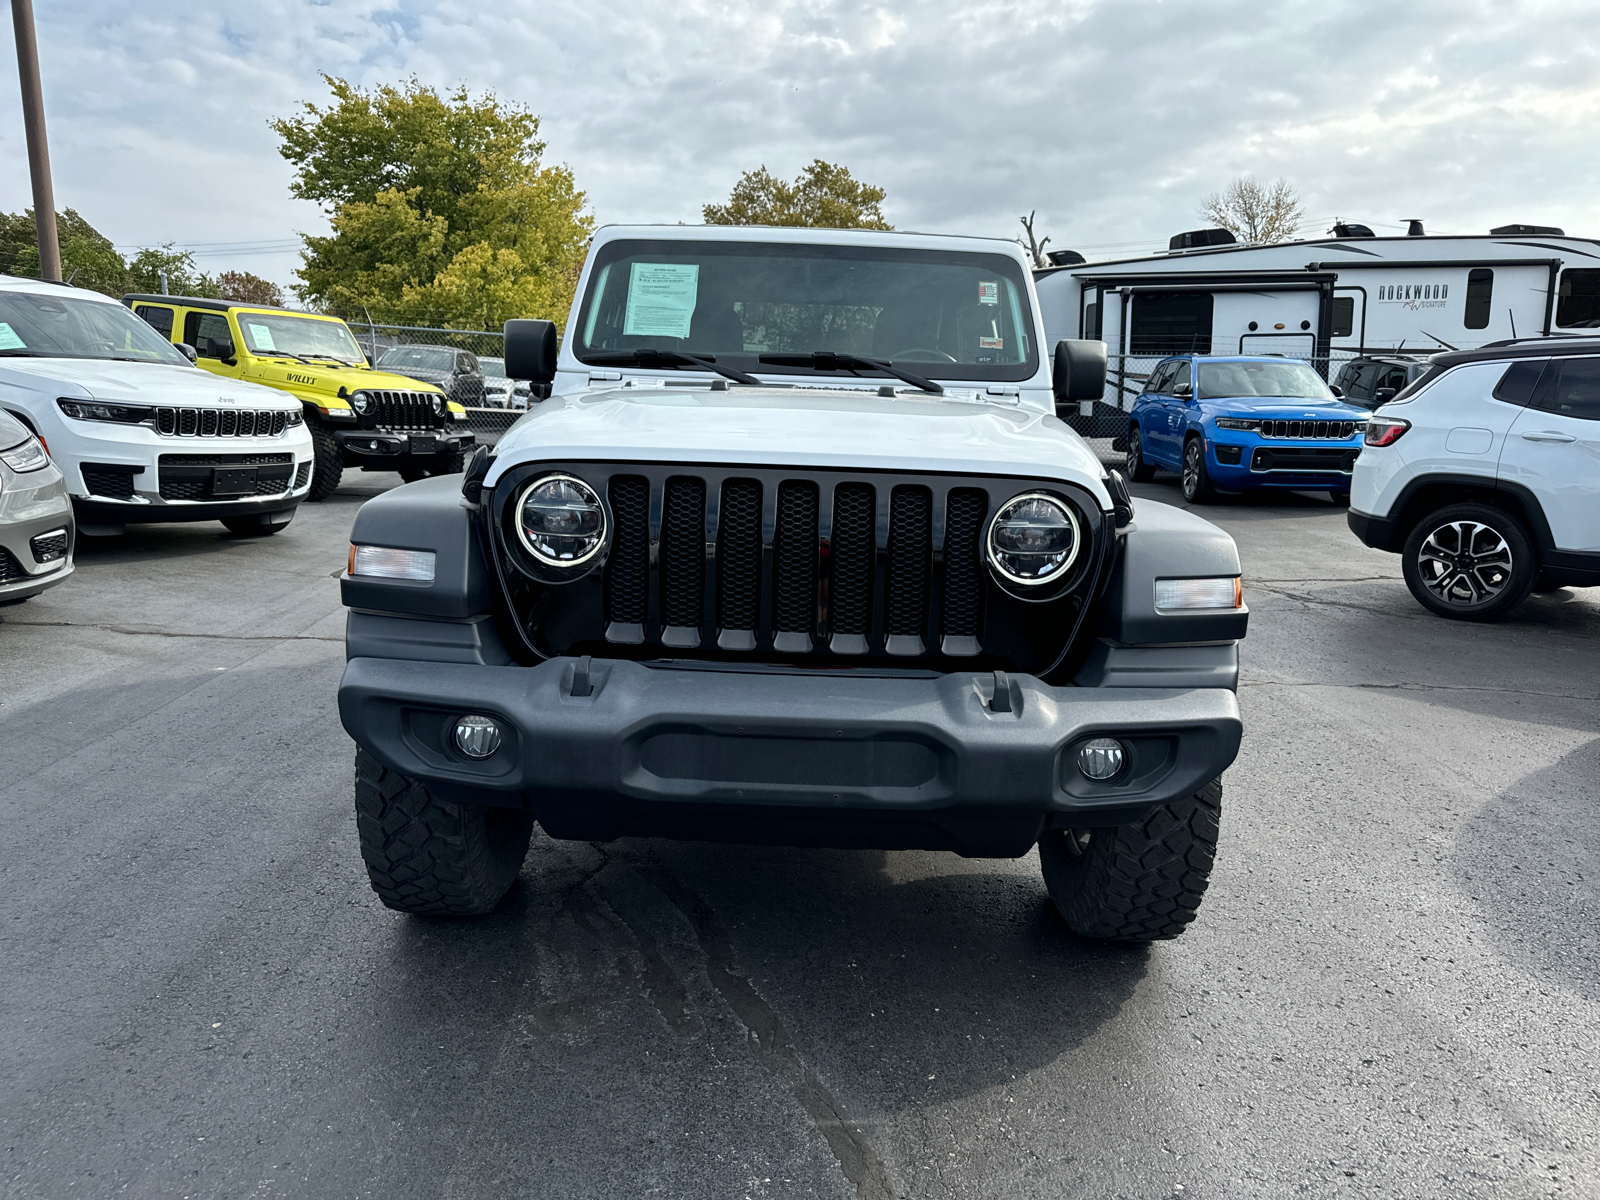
<point x="183" y="278"/>
<point x="1254" y="212"/>
<point x="426" y="193"/>
<point x="244" y="287"/>
<point x="1035" y="248"/>
<point x="88" y="258"/>
<point x="822" y="196"/>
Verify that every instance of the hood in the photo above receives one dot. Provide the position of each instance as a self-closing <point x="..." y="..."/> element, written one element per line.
<point x="329" y="377"/>
<point x="1284" y="408"/>
<point x="138" y="383"/>
<point x="810" y="427"/>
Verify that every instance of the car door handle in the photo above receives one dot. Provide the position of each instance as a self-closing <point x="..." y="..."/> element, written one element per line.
<point x="1547" y="435"/>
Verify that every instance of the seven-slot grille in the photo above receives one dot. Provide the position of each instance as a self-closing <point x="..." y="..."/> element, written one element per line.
<point x="400" y="410"/>
<point x="847" y="566"/>
<point x="220" y="422"/>
<point x="1336" y="430"/>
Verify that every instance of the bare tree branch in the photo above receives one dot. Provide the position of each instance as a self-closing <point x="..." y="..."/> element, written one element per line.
<point x="1254" y="212"/>
<point x="1035" y="247"/>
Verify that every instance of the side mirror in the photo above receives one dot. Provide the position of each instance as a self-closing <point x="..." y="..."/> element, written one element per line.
<point x="224" y="350"/>
<point x="1184" y="391"/>
<point x="530" y="349"/>
<point x="1337" y="391"/>
<point x="1382" y="396"/>
<point x="1078" y="371"/>
<point x="187" y="351"/>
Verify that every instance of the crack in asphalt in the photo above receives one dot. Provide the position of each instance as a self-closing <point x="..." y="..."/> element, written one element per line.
<point x="1415" y="687"/>
<point x="774" y="1049"/>
<point x="167" y="633"/>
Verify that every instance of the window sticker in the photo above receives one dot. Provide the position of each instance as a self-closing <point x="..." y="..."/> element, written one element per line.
<point x="993" y="343"/>
<point x="9" y="339"/>
<point x="261" y="335"/>
<point x="661" y="299"/>
<point x="989" y="293"/>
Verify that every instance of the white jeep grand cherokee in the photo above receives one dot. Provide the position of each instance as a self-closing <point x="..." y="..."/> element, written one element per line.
<point x="140" y="434"/>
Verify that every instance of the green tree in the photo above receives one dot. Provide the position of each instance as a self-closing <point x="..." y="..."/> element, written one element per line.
<point x="87" y="255"/>
<point x="440" y="206"/>
<point x="824" y="195"/>
<point x="244" y="287"/>
<point x="146" y="267"/>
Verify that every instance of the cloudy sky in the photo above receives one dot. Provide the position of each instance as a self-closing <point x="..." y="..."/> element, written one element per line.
<point x="1113" y="120"/>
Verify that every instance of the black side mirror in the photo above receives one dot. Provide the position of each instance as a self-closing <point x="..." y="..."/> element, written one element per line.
<point x="1382" y="396"/>
<point x="223" y="349"/>
<point x="530" y="348"/>
<point x="187" y="351"/>
<point x="1337" y="391"/>
<point x="1184" y="391"/>
<point x="1078" y="371"/>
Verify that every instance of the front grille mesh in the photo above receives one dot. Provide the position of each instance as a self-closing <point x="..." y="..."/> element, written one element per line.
<point x="739" y="555"/>
<point x="1336" y="430"/>
<point x="112" y="482"/>
<point x="794" y="557"/>
<point x="224" y="422"/>
<point x="854" y="521"/>
<point x="628" y="569"/>
<point x="401" y="410"/>
<point x="10" y="569"/>
<point x="189" y="476"/>
<point x="683" y="556"/>
<point x="963" y="579"/>
<point x="910" y="544"/>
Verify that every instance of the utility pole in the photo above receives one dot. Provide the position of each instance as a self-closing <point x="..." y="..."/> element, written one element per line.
<point x="44" y="200"/>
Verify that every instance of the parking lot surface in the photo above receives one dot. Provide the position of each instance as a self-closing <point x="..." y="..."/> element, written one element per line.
<point x="1393" y="988"/>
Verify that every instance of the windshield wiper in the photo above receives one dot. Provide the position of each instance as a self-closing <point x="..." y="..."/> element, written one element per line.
<point x="348" y="362"/>
<point x="646" y="356"/>
<point x="23" y="354"/>
<point x="828" y="360"/>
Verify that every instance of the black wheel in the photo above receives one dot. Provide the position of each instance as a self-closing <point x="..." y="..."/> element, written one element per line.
<point x="1135" y="883"/>
<point x="1138" y="470"/>
<point x="1469" y="562"/>
<point x="425" y="855"/>
<point x="1197" y="487"/>
<point x="261" y="526"/>
<point x="1342" y="499"/>
<point x="327" y="462"/>
<point x="446" y="464"/>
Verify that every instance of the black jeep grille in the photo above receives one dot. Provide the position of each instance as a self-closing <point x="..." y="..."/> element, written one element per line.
<point x="400" y="411"/>
<point x="1338" y="430"/>
<point x="220" y="422"/>
<point x="764" y="564"/>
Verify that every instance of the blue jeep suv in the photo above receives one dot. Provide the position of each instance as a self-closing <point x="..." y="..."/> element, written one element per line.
<point x="1228" y="424"/>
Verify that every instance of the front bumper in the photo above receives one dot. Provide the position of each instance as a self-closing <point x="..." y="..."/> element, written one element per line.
<point x="33" y="507"/>
<point x="382" y="450"/>
<point x="1254" y="462"/>
<point x="834" y="746"/>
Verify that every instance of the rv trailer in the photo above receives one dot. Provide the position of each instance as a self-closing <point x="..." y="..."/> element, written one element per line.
<point x="1326" y="300"/>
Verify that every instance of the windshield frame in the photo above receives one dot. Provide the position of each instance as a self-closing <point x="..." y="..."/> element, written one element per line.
<point x="1201" y="392"/>
<point x="996" y="262"/>
<point x="159" y="351"/>
<point x="241" y="317"/>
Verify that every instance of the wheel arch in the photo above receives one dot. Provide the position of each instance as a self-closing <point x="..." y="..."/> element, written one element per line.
<point x="1428" y="493"/>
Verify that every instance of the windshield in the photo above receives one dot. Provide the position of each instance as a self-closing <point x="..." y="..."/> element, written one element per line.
<point x="426" y="358"/>
<point x="307" y="337"/>
<point x="943" y="314"/>
<point x="67" y="327"/>
<point x="492" y="368"/>
<point x="1282" y="380"/>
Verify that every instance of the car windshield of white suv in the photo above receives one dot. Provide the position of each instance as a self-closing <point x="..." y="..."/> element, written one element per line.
<point x="48" y="326"/>
<point x="266" y="334"/>
<point x="941" y="314"/>
<point x="1278" y="380"/>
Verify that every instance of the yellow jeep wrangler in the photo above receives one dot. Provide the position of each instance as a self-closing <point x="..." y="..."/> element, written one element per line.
<point x="358" y="417"/>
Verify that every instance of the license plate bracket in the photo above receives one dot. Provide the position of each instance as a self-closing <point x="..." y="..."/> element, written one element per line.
<point x="233" y="481"/>
<point x="424" y="445"/>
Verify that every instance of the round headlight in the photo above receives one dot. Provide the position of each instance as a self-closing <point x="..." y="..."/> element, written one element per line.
<point x="361" y="402"/>
<point x="1034" y="539"/>
<point x="438" y="404"/>
<point x="561" y="522"/>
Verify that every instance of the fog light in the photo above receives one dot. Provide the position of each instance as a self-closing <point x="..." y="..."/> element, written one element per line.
<point x="1100" y="759"/>
<point x="477" y="737"/>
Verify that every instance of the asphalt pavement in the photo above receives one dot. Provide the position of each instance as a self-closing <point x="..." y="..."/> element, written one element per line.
<point x="1393" y="988"/>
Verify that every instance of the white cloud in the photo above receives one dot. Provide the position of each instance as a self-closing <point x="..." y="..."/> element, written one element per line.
<point x="1112" y="119"/>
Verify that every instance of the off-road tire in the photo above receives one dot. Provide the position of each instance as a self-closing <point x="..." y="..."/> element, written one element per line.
<point x="453" y="464"/>
<point x="262" y="526"/>
<point x="1139" y="470"/>
<point x="1196" y="479"/>
<point x="1135" y="883"/>
<point x="1519" y="581"/>
<point x="426" y="855"/>
<point x="327" y="462"/>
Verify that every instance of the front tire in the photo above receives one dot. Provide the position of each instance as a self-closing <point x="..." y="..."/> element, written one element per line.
<point x="1469" y="562"/>
<point x="1197" y="488"/>
<point x="327" y="462"/>
<point x="1138" y="469"/>
<point x="426" y="855"/>
<point x="1135" y="883"/>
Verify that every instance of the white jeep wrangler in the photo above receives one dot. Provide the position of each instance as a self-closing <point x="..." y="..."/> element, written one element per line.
<point x="798" y="552"/>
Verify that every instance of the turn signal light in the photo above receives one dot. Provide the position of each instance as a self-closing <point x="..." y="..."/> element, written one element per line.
<point x="1385" y="431"/>
<point x="385" y="562"/>
<point x="1198" y="595"/>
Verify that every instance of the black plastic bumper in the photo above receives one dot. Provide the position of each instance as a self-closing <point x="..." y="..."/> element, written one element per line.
<point x="111" y="512"/>
<point x="378" y="450"/>
<point x="1377" y="532"/>
<point x="647" y="742"/>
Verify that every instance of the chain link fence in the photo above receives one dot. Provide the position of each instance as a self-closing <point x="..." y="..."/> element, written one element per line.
<point x="488" y="423"/>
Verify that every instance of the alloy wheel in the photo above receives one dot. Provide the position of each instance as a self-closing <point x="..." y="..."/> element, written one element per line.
<point x="1135" y="453"/>
<point x="1465" y="563"/>
<point x="1191" y="469"/>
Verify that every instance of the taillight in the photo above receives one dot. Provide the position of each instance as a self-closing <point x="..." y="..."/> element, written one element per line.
<point x="1385" y="431"/>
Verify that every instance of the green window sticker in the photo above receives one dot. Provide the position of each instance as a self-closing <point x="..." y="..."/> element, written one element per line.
<point x="261" y="335"/>
<point x="661" y="299"/>
<point x="9" y="339"/>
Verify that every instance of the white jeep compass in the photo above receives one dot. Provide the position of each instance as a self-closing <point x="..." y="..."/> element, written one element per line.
<point x="1484" y="475"/>
<point x="140" y="433"/>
